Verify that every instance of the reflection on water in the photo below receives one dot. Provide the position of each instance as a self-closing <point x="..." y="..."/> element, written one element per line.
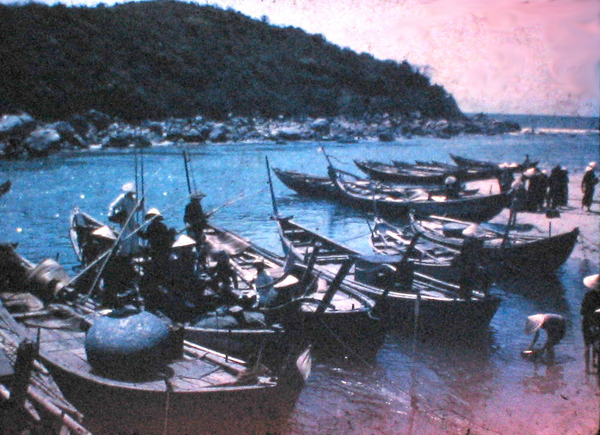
<point x="435" y="384"/>
<point x="546" y="379"/>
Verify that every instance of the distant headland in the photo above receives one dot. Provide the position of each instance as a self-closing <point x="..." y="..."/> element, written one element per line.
<point x="73" y="75"/>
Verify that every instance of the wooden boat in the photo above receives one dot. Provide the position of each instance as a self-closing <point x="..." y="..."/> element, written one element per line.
<point x="299" y="314"/>
<point x="5" y="187"/>
<point x="102" y="364"/>
<point x="477" y="207"/>
<point x="307" y="185"/>
<point x="405" y="173"/>
<point x="502" y="249"/>
<point x="473" y="163"/>
<point x="390" y="280"/>
<point x="323" y="187"/>
<point x="427" y="257"/>
<point x="31" y="403"/>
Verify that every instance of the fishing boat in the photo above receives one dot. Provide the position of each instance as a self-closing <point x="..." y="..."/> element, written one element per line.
<point x="503" y="248"/>
<point x="405" y="173"/>
<point x="30" y="402"/>
<point x="307" y="307"/>
<point x="307" y="185"/>
<point x="429" y="258"/>
<point x="478" y="208"/>
<point x="132" y="364"/>
<point x="5" y="187"/>
<point x="322" y="187"/>
<point x="405" y="295"/>
<point x="473" y="163"/>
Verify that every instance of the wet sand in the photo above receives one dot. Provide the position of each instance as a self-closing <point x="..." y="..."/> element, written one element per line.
<point x="556" y="398"/>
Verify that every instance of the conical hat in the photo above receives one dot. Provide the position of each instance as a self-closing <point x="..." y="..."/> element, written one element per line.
<point x="529" y="172"/>
<point x="183" y="241"/>
<point x="591" y="282"/>
<point x="152" y="212"/>
<point x="471" y="231"/>
<point x="592" y="164"/>
<point x="128" y="187"/>
<point x="534" y="323"/>
<point x="450" y="180"/>
<point x="105" y="232"/>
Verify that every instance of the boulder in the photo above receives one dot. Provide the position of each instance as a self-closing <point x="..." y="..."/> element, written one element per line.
<point x="320" y="125"/>
<point x="42" y="141"/>
<point x="98" y="119"/>
<point x="68" y="134"/>
<point x="16" y="125"/>
<point x="218" y="133"/>
<point x="289" y="133"/>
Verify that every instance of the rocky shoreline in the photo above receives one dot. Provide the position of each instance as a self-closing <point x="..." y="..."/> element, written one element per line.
<point x="23" y="136"/>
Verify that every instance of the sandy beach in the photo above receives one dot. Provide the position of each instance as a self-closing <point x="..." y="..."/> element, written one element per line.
<point x="559" y="398"/>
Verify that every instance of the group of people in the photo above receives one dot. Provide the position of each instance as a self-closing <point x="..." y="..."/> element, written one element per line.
<point x="555" y="325"/>
<point x="536" y="190"/>
<point x="170" y="258"/>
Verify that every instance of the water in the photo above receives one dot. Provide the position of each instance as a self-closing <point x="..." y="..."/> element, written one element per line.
<point x="435" y="386"/>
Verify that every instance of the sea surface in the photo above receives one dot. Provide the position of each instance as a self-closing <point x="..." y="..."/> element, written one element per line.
<point x="412" y="385"/>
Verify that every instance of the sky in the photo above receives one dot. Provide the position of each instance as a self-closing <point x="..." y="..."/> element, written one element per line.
<point x="493" y="56"/>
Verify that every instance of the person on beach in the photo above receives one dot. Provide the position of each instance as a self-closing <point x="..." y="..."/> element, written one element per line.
<point x="555" y="326"/>
<point x="588" y="185"/>
<point x="564" y="186"/>
<point x="589" y="305"/>
<point x="506" y="176"/>
<point x="536" y="188"/>
<point x="554" y="187"/>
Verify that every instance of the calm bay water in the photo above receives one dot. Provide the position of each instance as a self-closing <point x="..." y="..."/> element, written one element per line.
<point x="431" y="386"/>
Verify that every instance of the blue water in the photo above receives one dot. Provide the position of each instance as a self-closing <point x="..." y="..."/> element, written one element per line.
<point x="439" y="387"/>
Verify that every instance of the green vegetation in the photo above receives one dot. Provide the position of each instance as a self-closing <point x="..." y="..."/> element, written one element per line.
<point x="159" y="59"/>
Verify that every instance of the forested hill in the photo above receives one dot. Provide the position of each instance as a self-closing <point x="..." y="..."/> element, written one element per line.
<point x="159" y="59"/>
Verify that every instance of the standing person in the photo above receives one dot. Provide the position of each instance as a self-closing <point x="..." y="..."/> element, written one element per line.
<point x="119" y="212"/>
<point x="555" y="326"/>
<point x="194" y="217"/>
<point x="533" y="187"/>
<point x="506" y="177"/>
<point x="518" y="199"/>
<point x="564" y="186"/>
<point x="160" y="240"/>
<point x="554" y="187"/>
<point x="544" y="200"/>
<point x="588" y="185"/>
<point x="589" y="305"/>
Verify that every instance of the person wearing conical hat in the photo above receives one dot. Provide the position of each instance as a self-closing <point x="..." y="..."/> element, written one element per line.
<point x="452" y="187"/>
<point x="183" y="262"/>
<point x="589" y="305"/>
<point x="119" y="212"/>
<point x="160" y="241"/>
<point x="194" y="217"/>
<point x="223" y="276"/>
<point x="588" y="185"/>
<point x="555" y="326"/>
